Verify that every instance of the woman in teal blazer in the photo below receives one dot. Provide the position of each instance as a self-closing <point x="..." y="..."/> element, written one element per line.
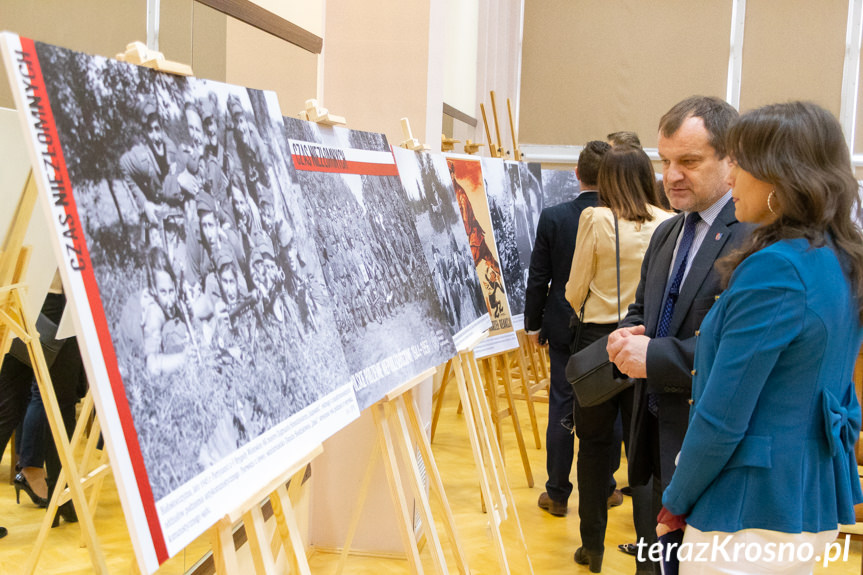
<point x="769" y="454"/>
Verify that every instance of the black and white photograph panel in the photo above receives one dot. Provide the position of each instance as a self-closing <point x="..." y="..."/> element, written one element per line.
<point x="528" y="202"/>
<point x="559" y="187"/>
<point x="387" y="309"/>
<point x="499" y="181"/>
<point x="431" y="199"/>
<point x="213" y="342"/>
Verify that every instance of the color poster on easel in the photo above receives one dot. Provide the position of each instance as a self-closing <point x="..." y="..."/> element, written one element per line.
<point x="206" y="331"/>
<point x="467" y="177"/>
<point x="387" y="310"/>
<point x="431" y="198"/>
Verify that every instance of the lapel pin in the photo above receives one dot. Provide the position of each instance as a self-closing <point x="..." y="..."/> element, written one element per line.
<point x="718" y="236"/>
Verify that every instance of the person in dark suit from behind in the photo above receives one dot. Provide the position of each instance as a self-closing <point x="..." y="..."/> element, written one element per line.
<point x="656" y="340"/>
<point x="547" y="315"/>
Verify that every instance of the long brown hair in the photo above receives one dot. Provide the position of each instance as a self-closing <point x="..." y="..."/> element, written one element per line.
<point x="627" y="183"/>
<point x="799" y="149"/>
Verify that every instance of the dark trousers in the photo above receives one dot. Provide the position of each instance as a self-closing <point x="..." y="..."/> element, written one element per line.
<point x="30" y="435"/>
<point x="647" y="501"/>
<point x="559" y="440"/>
<point x="16" y="379"/>
<point x="599" y="430"/>
<point x="16" y="400"/>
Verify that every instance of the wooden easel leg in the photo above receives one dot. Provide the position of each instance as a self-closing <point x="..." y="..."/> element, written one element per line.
<point x="224" y="553"/>
<point x="286" y="520"/>
<point x="100" y="470"/>
<point x="439" y="402"/>
<point x="490" y="390"/>
<point x="64" y="449"/>
<point x="507" y="387"/>
<point x="42" y="536"/>
<point x="262" y="558"/>
<point x="475" y="427"/>
<point x="497" y="461"/>
<point x="14" y="239"/>
<point x="358" y="508"/>
<point x="405" y="443"/>
<point x="394" y="477"/>
<point x="528" y="394"/>
<point x="408" y="406"/>
<point x="484" y="422"/>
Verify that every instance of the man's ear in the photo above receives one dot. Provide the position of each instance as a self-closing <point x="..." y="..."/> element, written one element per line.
<point x="577" y="177"/>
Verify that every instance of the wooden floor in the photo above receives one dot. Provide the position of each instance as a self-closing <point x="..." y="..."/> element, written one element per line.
<point x="551" y="541"/>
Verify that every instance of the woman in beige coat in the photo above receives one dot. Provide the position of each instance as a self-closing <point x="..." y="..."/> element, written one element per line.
<point x="627" y="192"/>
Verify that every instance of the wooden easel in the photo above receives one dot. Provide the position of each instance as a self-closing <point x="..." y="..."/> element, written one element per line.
<point x="537" y="366"/>
<point x="94" y="460"/>
<point x="447" y="144"/>
<point x="15" y="320"/>
<point x="495" y="147"/>
<point x="516" y="153"/>
<point x="264" y="555"/>
<point x="399" y="429"/>
<point x="314" y="113"/>
<point x="411" y="143"/>
<point x="494" y="486"/>
<point x="496" y="368"/>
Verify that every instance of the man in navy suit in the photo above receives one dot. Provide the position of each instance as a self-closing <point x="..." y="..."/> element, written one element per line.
<point x="656" y="340"/>
<point x="547" y="315"/>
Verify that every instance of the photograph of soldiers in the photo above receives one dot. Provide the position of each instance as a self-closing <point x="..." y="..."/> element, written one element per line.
<point x="431" y="199"/>
<point x="499" y="182"/>
<point x="213" y="293"/>
<point x="389" y="318"/>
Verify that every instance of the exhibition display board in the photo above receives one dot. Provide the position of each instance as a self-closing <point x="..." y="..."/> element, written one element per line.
<point x="244" y="284"/>
<point x="387" y="311"/>
<point x="473" y="203"/>
<point x="202" y="395"/>
<point x="432" y="200"/>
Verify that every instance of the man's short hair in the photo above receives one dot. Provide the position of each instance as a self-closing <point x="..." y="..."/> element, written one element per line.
<point x="717" y="115"/>
<point x="588" y="161"/>
<point x="624" y="138"/>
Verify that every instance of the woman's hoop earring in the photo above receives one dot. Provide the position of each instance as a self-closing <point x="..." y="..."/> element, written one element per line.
<point x="770" y="197"/>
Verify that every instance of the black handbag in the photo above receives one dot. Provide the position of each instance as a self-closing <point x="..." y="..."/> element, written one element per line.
<point x="47" y="336"/>
<point x="593" y="377"/>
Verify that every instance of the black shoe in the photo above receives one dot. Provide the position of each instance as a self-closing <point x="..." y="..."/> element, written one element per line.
<point x="21" y="483"/>
<point x="67" y="512"/>
<point x="629" y="548"/>
<point x="3" y="532"/>
<point x="592" y="560"/>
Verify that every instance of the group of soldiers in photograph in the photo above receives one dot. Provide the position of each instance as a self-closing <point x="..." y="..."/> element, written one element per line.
<point x="368" y="258"/>
<point x="220" y="258"/>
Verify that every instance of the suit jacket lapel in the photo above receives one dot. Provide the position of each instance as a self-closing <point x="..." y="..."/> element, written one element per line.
<point x="658" y="276"/>
<point x="704" y="261"/>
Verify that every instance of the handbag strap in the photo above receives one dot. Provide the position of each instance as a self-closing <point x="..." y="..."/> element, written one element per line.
<point x="617" y="261"/>
<point x="617" y="258"/>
